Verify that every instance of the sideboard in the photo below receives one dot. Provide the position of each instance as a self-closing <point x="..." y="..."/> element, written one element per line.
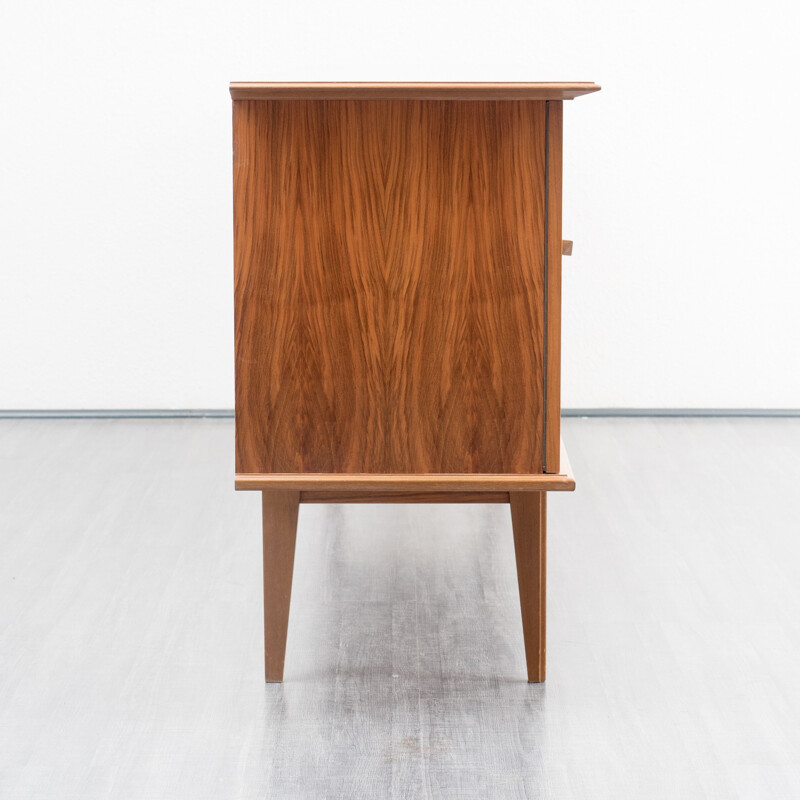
<point x="397" y="299"/>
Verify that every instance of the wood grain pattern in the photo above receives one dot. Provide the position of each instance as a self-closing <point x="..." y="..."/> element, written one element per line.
<point x="389" y="287"/>
<point x="555" y="116"/>
<point x="279" y="522"/>
<point x="411" y="91"/>
<point x="529" y="521"/>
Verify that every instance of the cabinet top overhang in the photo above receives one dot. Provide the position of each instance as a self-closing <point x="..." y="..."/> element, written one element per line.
<point x="410" y="91"/>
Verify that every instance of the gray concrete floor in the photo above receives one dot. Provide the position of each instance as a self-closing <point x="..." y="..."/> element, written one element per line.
<point x="130" y="625"/>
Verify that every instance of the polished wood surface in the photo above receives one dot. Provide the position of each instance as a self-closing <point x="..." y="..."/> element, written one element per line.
<point x="279" y="523"/>
<point x="389" y="289"/>
<point x="411" y="91"/>
<point x="552" y="376"/>
<point x="529" y="522"/>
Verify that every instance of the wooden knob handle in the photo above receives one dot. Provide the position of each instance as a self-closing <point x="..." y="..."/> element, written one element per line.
<point x="566" y="247"/>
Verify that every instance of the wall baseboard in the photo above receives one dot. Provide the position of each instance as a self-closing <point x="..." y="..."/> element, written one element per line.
<point x="227" y="413"/>
<point x="116" y="413"/>
<point x="680" y="412"/>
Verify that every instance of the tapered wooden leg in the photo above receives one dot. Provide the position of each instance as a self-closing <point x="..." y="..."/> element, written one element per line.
<point x="279" y="522"/>
<point x="529" y="520"/>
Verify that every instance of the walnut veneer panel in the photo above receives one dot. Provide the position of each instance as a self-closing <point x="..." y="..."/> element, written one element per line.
<point x="389" y="281"/>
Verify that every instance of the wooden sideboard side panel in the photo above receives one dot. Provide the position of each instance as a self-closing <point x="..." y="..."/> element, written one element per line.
<point x="465" y="193"/>
<point x="309" y="299"/>
<point x="552" y="421"/>
<point x="389" y="286"/>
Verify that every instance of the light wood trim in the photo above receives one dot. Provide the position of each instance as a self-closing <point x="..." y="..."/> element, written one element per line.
<point x="555" y="116"/>
<point x="529" y="521"/>
<point x="414" y="483"/>
<point x="403" y="497"/>
<point x="244" y="90"/>
<point x="279" y="531"/>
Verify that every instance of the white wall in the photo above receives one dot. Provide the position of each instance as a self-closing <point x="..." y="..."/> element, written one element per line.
<point x="681" y="185"/>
